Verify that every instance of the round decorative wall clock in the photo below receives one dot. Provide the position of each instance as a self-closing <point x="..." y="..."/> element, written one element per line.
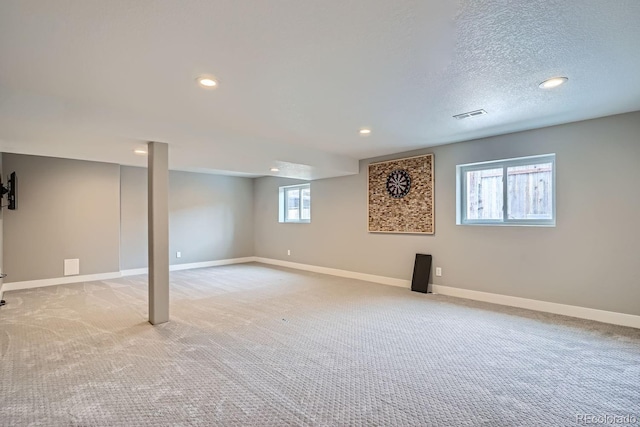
<point x="398" y="183"/>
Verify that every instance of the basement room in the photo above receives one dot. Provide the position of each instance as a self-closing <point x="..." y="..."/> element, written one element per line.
<point x="337" y="213"/>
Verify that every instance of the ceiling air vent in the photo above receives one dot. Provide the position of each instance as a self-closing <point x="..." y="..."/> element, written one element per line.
<point x="470" y="114"/>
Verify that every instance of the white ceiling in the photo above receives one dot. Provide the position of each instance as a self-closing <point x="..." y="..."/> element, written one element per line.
<point x="95" y="79"/>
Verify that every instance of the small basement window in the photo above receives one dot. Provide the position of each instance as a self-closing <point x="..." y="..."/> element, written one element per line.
<point x="295" y="203"/>
<point x="518" y="191"/>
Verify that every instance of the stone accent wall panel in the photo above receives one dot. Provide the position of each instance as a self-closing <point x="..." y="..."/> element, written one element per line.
<point x="413" y="213"/>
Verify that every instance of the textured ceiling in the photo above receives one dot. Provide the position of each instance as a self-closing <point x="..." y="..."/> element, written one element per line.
<point x="94" y="80"/>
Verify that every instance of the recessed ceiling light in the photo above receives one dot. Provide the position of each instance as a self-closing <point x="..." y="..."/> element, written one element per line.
<point x="365" y="131"/>
<point x="207" y="82"/>
<point x="274" y="170"/>
<point x="140" y="152"/>
<point x="553" y="82"/>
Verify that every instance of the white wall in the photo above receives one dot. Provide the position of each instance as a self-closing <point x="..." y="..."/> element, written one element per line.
<point x="589" y="259"/>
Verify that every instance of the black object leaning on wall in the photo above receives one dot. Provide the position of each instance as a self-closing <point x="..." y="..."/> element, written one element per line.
<point x="421" y="273"/>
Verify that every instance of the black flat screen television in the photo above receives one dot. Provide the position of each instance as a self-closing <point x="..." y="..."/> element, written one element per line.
<point x="13" y="191"/>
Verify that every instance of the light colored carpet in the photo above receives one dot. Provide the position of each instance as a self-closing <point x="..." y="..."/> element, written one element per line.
<point x="253" y="345"/>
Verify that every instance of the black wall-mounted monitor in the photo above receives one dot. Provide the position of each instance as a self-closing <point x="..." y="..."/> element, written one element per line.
<point x="13" y="191"/>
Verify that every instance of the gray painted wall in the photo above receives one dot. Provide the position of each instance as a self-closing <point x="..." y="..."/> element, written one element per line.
<point x="2" y="227"/>
<point x="589" y="259"/>
<point x="66" y="209"/>
<point x="210" y="217"/>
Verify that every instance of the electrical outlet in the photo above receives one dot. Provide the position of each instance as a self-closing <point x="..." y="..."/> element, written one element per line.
<point x="178" y="254"/>
<point x="438" y="271"/>
<point x="288" y="251"/>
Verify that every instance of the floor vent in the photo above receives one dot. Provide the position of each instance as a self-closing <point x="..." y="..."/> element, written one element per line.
<point x="470" y="114"/>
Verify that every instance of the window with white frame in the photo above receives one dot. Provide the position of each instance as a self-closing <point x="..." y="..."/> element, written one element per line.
<point x="518" y="191"/>
<point x="295" y="203"/>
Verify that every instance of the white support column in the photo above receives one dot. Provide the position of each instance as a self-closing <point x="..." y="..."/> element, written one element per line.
<point x="158" y="200"/>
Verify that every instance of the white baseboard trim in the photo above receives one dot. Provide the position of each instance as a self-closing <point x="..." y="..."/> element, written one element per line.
<point x="537" y="305"/>
<point x="216" y="263"/>
<point x="337" y="272"/>
<point x="204" y="264"/>
<point x="134" y="272"/>
<point x="611" y="317"/>
<point x="29" y="284"/>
